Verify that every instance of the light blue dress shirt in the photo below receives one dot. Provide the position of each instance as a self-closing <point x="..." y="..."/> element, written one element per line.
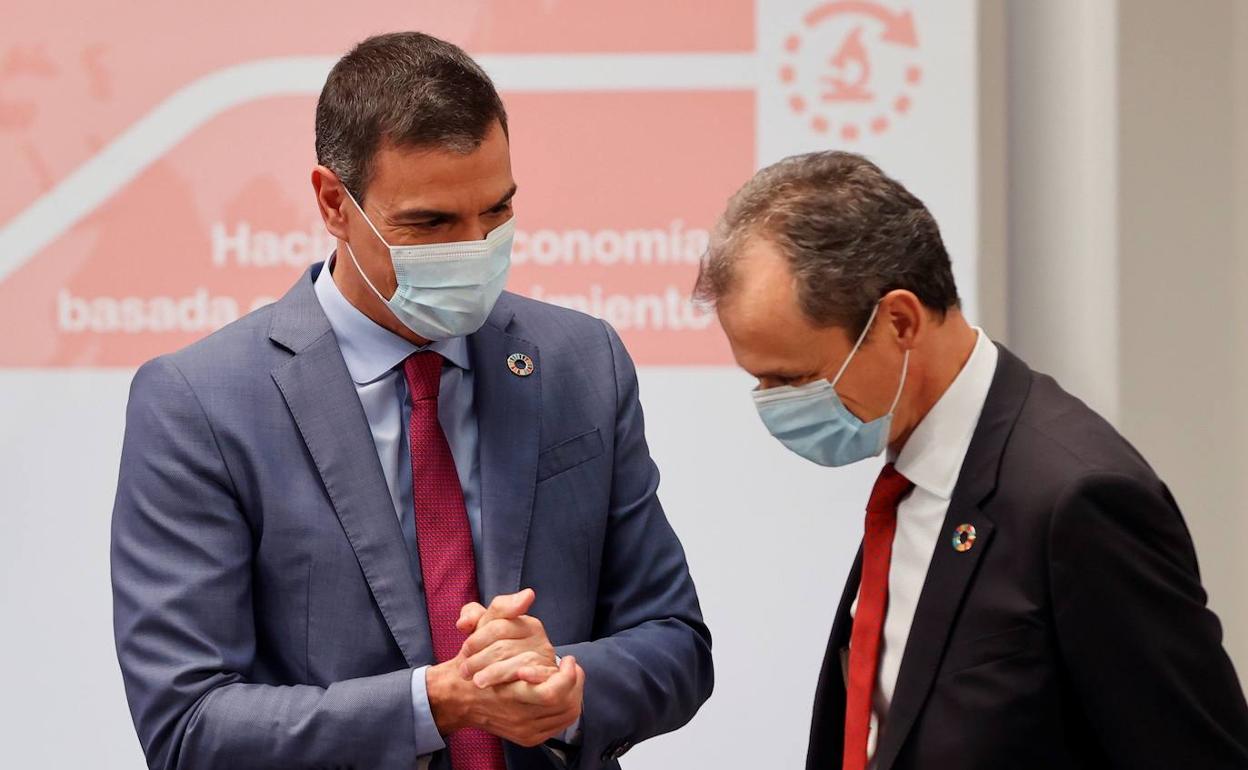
<point x="373" y="355"/>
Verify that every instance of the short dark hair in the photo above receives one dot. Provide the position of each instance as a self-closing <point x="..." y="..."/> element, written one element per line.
<point x="851" y="235"/>
<point x="407" y="88"/>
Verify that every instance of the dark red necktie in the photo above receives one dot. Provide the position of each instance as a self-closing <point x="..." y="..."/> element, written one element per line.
<point x="444" y="541"/>
<point x="864" y="643"/>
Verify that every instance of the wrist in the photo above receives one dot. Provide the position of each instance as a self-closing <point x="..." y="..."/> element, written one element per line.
<point x="447" y="704"/>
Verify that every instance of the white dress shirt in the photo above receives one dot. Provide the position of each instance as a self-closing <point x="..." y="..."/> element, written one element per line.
<point x="932" y="460"/>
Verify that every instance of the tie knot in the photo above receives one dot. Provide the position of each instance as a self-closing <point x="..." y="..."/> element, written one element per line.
<point x="423" y="370"/>
<point x="890" y="487"/>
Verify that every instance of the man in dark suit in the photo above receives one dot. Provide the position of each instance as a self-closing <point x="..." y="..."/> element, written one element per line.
<point x="327" y="511"/>
<point x="1027" y="594"/>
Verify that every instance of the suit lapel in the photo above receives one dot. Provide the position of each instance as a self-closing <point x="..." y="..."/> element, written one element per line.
<point x="948" y="577"/>
<point x="508" y="410"/>
<point x="827" y="728"/>
<point x="951" y="572"/>
<point x="322" y="399"/>
<point x="844" y="622"/>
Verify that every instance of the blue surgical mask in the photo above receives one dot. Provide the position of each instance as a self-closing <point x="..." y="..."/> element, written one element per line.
<point x="812" y="421"/>
<point x="445" y="289"/>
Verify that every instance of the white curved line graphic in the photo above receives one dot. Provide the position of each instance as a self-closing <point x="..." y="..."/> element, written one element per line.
<point x="157" y="132"/>
<point x="153" y="135"/>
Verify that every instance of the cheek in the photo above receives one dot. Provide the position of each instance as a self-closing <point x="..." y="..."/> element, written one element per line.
<point x="865" y="397"/>
<point x="374" y="261"/>
<point x="857" y="408"/>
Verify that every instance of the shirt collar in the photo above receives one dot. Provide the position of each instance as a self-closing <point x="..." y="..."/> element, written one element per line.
<point x="933" y="455"/>
<point x="370" y="350"/>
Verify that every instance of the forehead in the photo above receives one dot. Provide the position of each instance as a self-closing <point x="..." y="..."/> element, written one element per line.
<point x="763" y="289"/>
<point x="440" y="173"/>
<point x="760" y="314"/>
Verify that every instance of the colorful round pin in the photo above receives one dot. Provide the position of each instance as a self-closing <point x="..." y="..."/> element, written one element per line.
<point x="963" y="538"/>
<point x="520" y="364"/>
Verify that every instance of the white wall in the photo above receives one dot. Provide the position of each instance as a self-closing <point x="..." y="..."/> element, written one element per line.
<point x="1179" y="304"/>
<point x="1063" y="273"/>
<point x="1128" y="185"/>
<point x="1237" y="532"/>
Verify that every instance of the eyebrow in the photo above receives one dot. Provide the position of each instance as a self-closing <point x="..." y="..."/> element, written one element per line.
<point x="776" y="375"/>
<point x="413" y="214"/>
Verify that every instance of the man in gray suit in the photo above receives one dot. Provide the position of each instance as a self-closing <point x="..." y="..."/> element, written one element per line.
<point x="326" y="511"/>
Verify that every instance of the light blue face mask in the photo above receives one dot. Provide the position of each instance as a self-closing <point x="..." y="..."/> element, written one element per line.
<point x="812" y="421"/>
<point x="445" y="290"/>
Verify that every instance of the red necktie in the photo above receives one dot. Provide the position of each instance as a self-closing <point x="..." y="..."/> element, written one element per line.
<point x="864" y="642"/>
<point x="444" y="540"/>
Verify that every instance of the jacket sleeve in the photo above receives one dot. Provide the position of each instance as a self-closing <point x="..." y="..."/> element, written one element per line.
<point x="1143" y="652"/>
<point x="649" y="668"/>
<point x="183" y="615"/>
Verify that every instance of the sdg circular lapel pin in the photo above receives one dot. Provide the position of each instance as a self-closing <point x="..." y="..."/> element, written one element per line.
<point x="520" y="364"/>
<point x="964" y="538"/>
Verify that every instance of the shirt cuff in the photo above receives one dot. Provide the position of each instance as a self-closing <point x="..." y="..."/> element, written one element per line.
<point x="428" y="739"/>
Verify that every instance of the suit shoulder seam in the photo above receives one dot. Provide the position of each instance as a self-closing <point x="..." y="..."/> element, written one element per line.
<point x="216" y="442"/>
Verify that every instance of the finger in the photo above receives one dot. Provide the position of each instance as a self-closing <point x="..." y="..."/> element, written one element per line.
<point x="567" y="719"/>
<point x="508" y="606"/>
<point x="531" y="734"/>
<point x="535" y="727"/>
<point x="511" y="641"/>
<point x="535" y="674"/>
<point x="571" y="699"/>
<point x="497" y="652"/>
<point x="556" y="726"/>
<point x="506" y="671"/>
<point x="492" y="632"/>
<point x="470" y="617"/>
<point x="556" y="689"/>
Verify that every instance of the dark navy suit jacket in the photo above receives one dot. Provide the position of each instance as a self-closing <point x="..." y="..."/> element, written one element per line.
<point x="265" y="608"/>
<point x="1073" y="635"/>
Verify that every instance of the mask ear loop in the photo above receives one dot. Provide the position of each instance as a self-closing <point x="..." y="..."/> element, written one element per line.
<point x="351" y="251"/>
<point x="905" y="367"/>
<point x="857" y="345"/>
<point x="366" y="219"/>
<point x="364" y="275"/>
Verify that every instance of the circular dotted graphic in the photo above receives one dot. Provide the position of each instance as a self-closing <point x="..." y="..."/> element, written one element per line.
<point x="852" y="69"/>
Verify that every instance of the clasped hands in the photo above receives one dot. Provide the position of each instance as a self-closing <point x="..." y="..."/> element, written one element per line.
<point x="505" y="679"/>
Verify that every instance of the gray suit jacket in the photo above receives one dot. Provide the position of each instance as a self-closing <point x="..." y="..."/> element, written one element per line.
<point x="265" y="608"/>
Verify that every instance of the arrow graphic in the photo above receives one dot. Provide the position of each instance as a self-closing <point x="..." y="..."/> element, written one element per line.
<point x="898" y="26"/>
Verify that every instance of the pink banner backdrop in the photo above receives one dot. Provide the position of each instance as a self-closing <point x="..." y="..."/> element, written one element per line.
<point x="157" y="160"/>
<point x="158" y="171"/>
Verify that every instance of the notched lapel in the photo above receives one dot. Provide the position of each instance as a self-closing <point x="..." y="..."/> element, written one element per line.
<point x="322" y="399"/>
<point x="948" y="579"/>
<point x="508" y="411"/>
<point x="827" y="724"/>
<point x="952" y="571"/>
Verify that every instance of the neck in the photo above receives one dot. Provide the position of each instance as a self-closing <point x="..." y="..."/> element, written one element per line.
<point x="347" y="277"/>
<point x="934" y="368"/>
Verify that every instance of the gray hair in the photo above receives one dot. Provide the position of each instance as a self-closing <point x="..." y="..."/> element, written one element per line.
<point x="850" y="233"/>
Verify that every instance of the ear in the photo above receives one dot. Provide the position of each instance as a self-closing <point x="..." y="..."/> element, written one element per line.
<point x="331" y="198"/>
<point x="905" y="318"/>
